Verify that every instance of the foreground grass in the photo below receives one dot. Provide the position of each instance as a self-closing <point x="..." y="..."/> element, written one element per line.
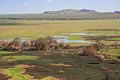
<point x="48" y="78"/>
<point x="47" y="67"/>
<point x="11" y="56"/>
<point x="19" y="58"/>
<point x="17" y="73"/>
<point x="6" y="53"/>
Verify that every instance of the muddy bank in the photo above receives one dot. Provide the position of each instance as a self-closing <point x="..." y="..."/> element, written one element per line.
<point x="103" y="30"/>
<point x="107" y="38"/>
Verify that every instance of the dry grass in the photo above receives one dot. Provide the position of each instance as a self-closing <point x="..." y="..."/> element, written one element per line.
<point x="61" y="65"/>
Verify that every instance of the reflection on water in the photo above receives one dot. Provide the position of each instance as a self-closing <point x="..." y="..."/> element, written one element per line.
<point x="80" y="34"/>
<point x="66" y="40"/>
<point x="78" y="41"/>
<point x="58" y="38"/>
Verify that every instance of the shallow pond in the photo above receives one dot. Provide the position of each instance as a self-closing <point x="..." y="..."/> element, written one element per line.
<point x="66" y="40"/>
<point x="80" y="34"/>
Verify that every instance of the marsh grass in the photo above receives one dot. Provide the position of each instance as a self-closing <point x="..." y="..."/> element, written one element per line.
<point x="35" y="29"/>
<point x="82" y="68"/>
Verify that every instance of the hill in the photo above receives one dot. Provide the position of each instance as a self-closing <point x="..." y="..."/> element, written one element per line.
<point x="67" y="14"/>
<point x="118" y="12"/>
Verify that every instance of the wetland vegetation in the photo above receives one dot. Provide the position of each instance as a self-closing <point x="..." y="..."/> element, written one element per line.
<point x="67" y="62"/>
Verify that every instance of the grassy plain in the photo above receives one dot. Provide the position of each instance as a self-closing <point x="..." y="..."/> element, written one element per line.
<point x="35" y="29"/>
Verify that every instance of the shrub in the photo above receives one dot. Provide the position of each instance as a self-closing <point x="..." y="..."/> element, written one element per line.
<point x="67" y="46"/>
<point x="46" y="43"/>
<point x="89" y="50"/>
<point x="98" y="45"/>
<point x="15" y="45"/>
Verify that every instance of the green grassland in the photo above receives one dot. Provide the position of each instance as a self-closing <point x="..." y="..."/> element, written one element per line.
<point x="35" y="29"/>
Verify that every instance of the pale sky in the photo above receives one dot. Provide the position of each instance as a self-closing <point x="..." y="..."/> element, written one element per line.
<point x="39" y="6"/>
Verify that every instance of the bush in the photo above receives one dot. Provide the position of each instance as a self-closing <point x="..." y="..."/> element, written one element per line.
<point x="46" y="43"/>
<point x="15" y="45"/>
<point x="98" y="45"/>
<point x="89" y="50"/>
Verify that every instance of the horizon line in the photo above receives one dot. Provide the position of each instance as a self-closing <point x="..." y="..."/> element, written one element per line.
<point x="55" y="10"/>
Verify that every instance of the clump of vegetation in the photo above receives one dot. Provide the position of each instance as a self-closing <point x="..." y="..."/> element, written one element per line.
<point x="61" y="45"/>
<point x="3" y="45"/>
<point x="93" y="49"/>
<point x="89" y="50"/>
<point x="15" y="45"/>
<point x="67" y="46"/>
<point x="46" y="43"/>
<point x="98" y="45"/>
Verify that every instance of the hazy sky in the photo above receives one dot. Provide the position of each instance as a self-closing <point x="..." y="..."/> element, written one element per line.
<point x="38" y="6"/>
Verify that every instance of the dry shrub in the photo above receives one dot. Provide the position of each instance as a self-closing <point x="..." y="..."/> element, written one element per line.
<point x="67" y="46"/>
<point x="15" y="45"/>
<point x="46" y="43"/>
<point x="62" y="45"/>
<point x="3" y="43"/>
<point x="51" y="42"/>
<point x="89" y="50"/>
<point x="98" y="45"/>
<point x="39" y="43"/>
<point x="27" y="43"/>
